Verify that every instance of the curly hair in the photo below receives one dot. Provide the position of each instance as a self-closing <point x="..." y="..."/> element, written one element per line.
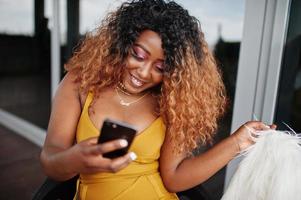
<point x="192" y="94"/>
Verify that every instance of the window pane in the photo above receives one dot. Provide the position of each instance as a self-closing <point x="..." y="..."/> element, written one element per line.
<point x="289" y="95"/>
<point x="25" y="60"/>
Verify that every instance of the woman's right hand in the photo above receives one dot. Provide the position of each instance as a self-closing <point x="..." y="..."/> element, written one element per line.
<point x="245" y="133"/>
<point x="87" y="156"/>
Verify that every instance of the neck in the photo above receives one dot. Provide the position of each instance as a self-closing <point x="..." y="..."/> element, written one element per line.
<point x="123" y="101"/>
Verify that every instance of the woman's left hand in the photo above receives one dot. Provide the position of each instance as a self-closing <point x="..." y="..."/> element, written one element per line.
<point x="244" y="134"/>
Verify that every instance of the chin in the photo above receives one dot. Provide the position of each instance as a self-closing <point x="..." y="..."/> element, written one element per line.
<point x="133" y="89"/>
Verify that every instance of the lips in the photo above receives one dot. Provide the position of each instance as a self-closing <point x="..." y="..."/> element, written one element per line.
<point x="136" y="82"/>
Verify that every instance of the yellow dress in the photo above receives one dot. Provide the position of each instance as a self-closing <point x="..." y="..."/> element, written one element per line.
<point x="139" y="180"/>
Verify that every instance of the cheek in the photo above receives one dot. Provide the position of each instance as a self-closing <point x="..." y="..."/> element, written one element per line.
<point x="157" y="78"/>
<point x="130" y="63"/>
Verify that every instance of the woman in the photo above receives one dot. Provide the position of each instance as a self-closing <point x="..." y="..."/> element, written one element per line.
<point x="147" y="65"/>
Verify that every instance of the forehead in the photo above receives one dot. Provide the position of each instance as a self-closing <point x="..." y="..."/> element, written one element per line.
<point x="151" y="42"/>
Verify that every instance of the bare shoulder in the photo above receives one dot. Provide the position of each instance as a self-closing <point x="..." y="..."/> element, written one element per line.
<point x="68" y="83"/>
<point x="67" y="96"/>
<point x="65" y="112"/>
<point x="69" y="90"/>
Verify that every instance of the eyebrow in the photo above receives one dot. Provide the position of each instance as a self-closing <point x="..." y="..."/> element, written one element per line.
<point x="145" y="49"/>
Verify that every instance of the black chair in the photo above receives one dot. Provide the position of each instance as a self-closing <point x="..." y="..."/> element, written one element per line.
<point x="54" y="190"/>
<point x="196" y="193"/>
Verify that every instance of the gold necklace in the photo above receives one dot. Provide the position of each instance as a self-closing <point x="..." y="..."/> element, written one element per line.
<point x="121" y="87"/>
<point x="124" y="103"/>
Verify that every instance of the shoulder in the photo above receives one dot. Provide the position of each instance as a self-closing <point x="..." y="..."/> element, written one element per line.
<point x="69" y="80"/>
<point x="68" y="89"/>
<point x="71" y="87"/>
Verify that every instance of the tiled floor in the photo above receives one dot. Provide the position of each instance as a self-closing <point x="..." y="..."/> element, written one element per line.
<point x="20" y="172"/>
<point x="27" y="97"/>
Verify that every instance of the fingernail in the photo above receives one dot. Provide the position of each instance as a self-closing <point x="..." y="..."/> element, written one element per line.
<point x="123" y="143"/>
<point x="133" y="156"/>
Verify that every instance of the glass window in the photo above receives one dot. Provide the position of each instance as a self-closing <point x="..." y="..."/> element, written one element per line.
<point x="25" y="60"/>
<point x="288" y="108"/>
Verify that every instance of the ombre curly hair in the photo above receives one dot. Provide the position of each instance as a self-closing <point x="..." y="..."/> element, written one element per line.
<point x="192" y="95"/>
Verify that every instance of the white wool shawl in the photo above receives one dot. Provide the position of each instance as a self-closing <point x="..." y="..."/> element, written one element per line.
<point x="271" y="169"/>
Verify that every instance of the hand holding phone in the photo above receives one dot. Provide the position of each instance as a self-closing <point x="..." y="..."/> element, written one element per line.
<point x="111" y="130"/>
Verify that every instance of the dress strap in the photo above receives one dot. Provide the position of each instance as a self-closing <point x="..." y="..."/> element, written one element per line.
<point x="88" y="101"/>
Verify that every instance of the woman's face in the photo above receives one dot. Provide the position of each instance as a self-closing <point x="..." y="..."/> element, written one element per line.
<point x="144" y="64"/>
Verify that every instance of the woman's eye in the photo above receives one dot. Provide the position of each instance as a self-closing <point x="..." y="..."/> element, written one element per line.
<point x="137" y="56"/>
<point x="160" y="69"/>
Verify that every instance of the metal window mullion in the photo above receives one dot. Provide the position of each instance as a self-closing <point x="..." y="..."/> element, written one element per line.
<point x="275" y="59"/>
<point x="55" y="48"/>
<point x="248" y="67"/>
<point x="264" y="60"/>
<point x="261" y="50"/>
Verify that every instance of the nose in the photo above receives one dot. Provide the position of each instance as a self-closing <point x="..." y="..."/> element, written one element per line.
<point x="144" y="71"/>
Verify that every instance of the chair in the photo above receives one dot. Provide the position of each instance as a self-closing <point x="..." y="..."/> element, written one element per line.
<point x="54" y="190"/>
<point x="196" y="193"/>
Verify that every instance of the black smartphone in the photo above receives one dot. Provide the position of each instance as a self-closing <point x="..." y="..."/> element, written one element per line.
<point x="111" y="130"/>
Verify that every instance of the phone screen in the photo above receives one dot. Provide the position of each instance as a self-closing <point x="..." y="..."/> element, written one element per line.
<point x="111" y="130"/>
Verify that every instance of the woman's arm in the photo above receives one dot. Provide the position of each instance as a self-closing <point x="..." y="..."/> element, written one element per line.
<point x="60" y="158"/>
<point x="180" y="172"/>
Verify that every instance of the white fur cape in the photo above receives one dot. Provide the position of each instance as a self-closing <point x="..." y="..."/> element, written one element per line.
<point x="271" y="169"/>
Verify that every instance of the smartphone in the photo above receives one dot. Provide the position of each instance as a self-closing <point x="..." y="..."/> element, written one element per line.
<point x="111" y="130"/>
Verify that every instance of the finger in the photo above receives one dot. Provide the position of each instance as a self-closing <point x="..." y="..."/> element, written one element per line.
<point x="257" y="125"/>
<point x="123" y="161"/>
<point x="109" y="146"/>
<point x="273" y="126"/>
<point x="91" y="141"/>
